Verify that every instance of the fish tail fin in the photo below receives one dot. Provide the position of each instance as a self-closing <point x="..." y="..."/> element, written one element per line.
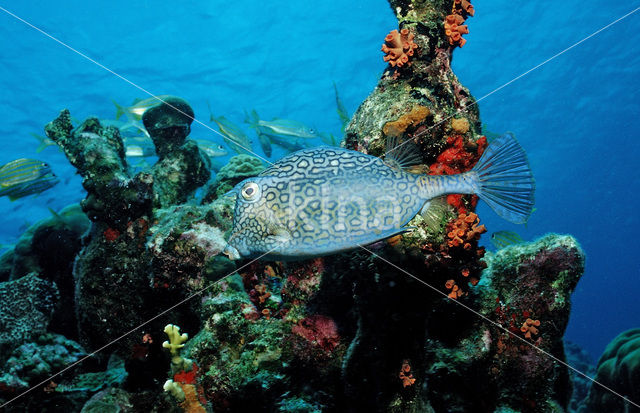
<point x="119" y="110"/>
<point x="504" y="179"/>
<point x="43" y="142"/>
<point x="252" y="119"/>
<point x="211" y="117"/>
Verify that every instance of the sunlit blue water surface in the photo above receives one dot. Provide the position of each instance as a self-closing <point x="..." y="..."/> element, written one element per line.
<point x="578" y="115"/>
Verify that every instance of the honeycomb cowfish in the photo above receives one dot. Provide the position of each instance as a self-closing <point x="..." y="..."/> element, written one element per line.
<point x="325" y="200"/>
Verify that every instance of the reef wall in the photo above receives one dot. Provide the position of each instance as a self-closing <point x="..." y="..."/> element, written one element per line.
<point x="353" y="332"/>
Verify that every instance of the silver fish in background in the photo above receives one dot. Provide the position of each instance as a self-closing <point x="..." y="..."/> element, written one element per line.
<point x="213" y="149"/>
<point x="24" y="177"/>
<point x="342" y="111"/>
<point x="138" y="147"/>
<point x="325" y="200"/>
<point x="263" y="137"/>
<point x="45" y="142"/>
<point x="281" y="127"/>
<point x="290" y="145"/>
<point x="129" y="128"/>
<point x="232" y="134"/>
<point x="139" y="106"/>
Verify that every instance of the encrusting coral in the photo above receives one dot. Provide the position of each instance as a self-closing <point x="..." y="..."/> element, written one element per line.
<point x="464" y="230"/>
<point x="530" y="328"/>
<point x="406" y="375"/>
<point x="398" y="47"/>
<point x="399" y="126"/>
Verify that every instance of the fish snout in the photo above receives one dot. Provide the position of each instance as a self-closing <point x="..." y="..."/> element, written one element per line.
<point x="231" y="252"/>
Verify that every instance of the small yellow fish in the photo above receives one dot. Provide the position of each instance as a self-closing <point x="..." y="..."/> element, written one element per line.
<point x="214" y="150"/>
<point x="232" y="135"/>
<point x="138" y="107"/>
<point x="44" y="142"/>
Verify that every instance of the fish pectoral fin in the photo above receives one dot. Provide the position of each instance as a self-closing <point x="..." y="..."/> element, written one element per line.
<point x="434" y="210"/>
<point x="401" y="155"/>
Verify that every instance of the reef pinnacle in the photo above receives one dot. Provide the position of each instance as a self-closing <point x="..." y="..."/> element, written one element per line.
<point x="168" y="123"/>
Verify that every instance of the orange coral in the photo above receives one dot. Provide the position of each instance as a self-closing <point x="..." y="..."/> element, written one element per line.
<point x="453" y="23"/>
<point x="464" y="5"/>
<point x="460" y="125"/>
<point x="191" y="403"/>
<point x="472" y="280"/>
<point x="261" y="289"/>
<point x="456" y="292"/>
<point x="398" y="47"/>
<point x="397" y="127"/>
<point x="405" y="374"/>
<point x="529" y="327"/>
<point x="464" y="230"/>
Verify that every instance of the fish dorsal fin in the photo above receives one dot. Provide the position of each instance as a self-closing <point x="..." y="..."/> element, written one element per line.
<point x="401" y="155"/>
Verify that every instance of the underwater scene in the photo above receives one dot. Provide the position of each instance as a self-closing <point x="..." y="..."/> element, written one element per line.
<point x="288" y="206"/>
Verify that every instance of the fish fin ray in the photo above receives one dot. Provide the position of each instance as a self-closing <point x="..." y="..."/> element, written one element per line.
<point x="119" y="110"/>
<point x="401" y="155"/>
<point x="504" y="180"/>
<point x="434" y="210"/>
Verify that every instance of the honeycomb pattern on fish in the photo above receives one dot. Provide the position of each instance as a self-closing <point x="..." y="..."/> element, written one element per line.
<point x="325" y="200"/>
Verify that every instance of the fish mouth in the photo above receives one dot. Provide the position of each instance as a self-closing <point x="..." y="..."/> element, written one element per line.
<point x="231" y="253"/>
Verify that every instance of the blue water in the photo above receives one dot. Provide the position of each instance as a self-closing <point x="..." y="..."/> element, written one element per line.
<point x="577" y="116"/>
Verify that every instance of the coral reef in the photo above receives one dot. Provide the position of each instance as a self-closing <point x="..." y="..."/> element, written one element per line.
<point x="239" y="168"/>
<point x="112" y="269"/>
<point x="182" y="167"/>
<point x="350" y="332"/>
<point x="35" y="361"/>
<point x="48" y="248"/>
<point x="428" y="83"/>
<point x="531" y="282"/>
<point x="618" y="369"/>
<point x="26" y="308"/>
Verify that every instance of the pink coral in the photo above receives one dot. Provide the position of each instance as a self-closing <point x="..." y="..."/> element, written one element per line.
<point x="319" y="330"/>
<point x="398" y="47"/>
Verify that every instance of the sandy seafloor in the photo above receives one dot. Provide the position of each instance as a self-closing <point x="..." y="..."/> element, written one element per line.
<point x="578" y="115"/>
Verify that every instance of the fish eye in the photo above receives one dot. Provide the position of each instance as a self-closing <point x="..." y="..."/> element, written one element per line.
<point x="250" y="191"/>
